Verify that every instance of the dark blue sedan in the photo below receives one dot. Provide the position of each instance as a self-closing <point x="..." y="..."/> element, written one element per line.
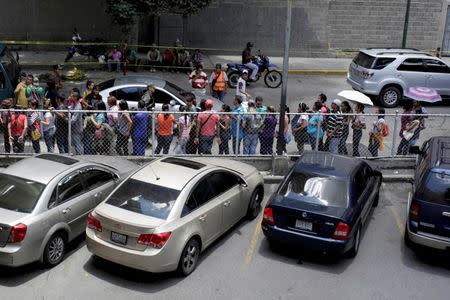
<point x="323" y="203"/>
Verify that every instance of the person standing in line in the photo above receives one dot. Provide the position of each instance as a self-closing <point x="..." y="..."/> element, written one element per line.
<point x="48" y="127"/>
<point x="314" y="129"/>
<point x="89" y="87"/>
<point x="334" y="126"/>
<point x="225" y="130"/>
<point x="324" y="110"/>
<point x="20" y="91"/>
<point x="251" y="130"/>
<point x="113" y="112"/>
<point x="199" y="80"/>
<point x="405" y="120"/>
<point x="124" y="125"/>
<point x="164" y="129"/>
<point x="261" y="115"/>
<point x="219" y="81"/>
<point x="4" y="121"/>
<point x="34" y="125"/>
<point x="247" y="58"/>
<point x="62" y="126"/>
<point x="346" y="120"/>
<point x="184" y="127"/>
<point x="76" y="123"/>
<point x="299" y="127"/>
<point x="267" y="133"/>
<point x="358" y="124"/>
<point x="207" y="128"/>
<point x="88" y="132"/>
<point x="236" y="121"/>
<point x="17" y="129"/>
<point x="139" y="130"/>
<point x="241" y="87"/>
<point x="376" y="134"/>
<point x="94" y="97"/>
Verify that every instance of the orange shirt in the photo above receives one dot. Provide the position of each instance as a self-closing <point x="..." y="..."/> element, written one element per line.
<point x="165" y="125"/>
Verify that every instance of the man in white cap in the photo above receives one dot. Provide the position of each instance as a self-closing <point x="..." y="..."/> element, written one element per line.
<point x="334" y="126"/>
<point x="241" y="85"/>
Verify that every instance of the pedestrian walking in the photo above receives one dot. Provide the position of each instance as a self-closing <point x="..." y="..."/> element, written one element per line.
<point x="219" y="81"/>
<point x="358" y="125"/>
<point x="241" y="87"/>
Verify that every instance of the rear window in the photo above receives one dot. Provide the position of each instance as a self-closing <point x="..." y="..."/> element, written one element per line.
<point x="144" y="198"/>
<point x="435" y="189"/>
<point x="19" y="194"/>
<point x="316" y="189"/>
<point x="382" y="62"/>
<point x="364" y="60"/>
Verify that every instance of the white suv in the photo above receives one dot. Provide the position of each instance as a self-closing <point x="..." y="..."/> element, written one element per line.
<point x="387" y="73"/>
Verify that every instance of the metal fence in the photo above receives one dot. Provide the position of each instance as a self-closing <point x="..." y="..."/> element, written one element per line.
<point x="143" y="133"/>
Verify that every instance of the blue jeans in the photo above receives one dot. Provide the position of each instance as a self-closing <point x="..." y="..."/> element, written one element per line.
<point x="113" y="65"/>
<point x="237" y="141"/>
<point x="206" y="143"/>
<point x="250" y="143"/>
<point x="49" y="138"/>
<point x="164" y="142"/>
<point x="181" y="147"/>
<point x="218" y="94"/>
<point x="139" y="145"/>
<point x="62" y="142"/>
<point x="76" y="143"/>
<point x="334" y="144"/>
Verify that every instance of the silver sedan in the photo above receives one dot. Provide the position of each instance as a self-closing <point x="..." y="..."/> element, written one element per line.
<point x="162" y="217"/>
<point x="44" y="201"/>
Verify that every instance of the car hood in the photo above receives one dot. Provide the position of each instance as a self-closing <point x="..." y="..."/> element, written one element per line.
<point x="11" y="217"/>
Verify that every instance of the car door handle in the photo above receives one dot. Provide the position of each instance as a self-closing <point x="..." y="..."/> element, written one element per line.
<point x="202" y="218"/>
<point x="66" y="210"/>
<point x="227" y="203"/>
<point x="446" y="214"/>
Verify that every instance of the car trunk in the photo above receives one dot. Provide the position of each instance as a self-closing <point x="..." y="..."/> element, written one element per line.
<point x="122" y="227"/>
<point x="434" y="218"/>
<point x="360" y="65"/>
<point x="305" y="217"/>
<point x="8" y="218"/>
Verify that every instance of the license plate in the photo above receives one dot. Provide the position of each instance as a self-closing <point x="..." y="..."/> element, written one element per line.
<point x="118" y="238"/>
<point x="302" y="225"/>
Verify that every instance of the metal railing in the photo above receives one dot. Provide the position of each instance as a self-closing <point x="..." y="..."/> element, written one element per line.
<point x="239" y="133"/>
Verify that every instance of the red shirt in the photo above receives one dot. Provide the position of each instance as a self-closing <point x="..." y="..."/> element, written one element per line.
<point x="17" y="126"/>
<point x="209" y="120"/>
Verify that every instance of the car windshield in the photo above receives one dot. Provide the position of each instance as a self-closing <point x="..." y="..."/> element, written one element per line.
<point x="19" y="194"/>
<point x="144" y="198"/>
<point x="173" y="89"/>
<point x="436" y="188"/>
<point x="364" y="60"/>
<point x="322" y="190"/>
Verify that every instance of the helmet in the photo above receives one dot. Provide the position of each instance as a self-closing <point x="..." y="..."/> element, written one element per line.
<point x="249" y="44"/>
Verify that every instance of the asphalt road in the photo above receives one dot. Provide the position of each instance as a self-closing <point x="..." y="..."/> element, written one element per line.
<point x="240" y="265"/>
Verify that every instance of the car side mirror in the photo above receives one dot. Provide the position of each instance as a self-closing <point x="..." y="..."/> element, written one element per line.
<point x="116" y="177"/>
<point x="242" y="182"/>
<point x="172" y="102"/>
<point x="415" y="150"/>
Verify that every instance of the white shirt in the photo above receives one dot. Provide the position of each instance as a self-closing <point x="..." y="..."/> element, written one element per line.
<point x="240" y="86"/>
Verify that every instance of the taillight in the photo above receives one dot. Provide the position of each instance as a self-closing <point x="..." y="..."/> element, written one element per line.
<point x="18" y="233"/>
<point x="93" y="223"/>
<point x="365" y="75"/>
<point x="342" y="231"/>
<point x="414" y="210"/>
<point x="268" y="216"/>
<point x="155" y="240"/>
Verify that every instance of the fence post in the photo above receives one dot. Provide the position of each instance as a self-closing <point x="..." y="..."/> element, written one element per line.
<point x="153" y="133"/>
<point x="69" y="142"/>
<point x="394" y="134"/>
<point x="236" y="148"/>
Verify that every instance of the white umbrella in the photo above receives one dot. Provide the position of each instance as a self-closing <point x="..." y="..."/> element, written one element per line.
<point x="355" y="96"/>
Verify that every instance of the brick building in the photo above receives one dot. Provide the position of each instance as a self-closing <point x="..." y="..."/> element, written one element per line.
<point x="319" y="27"/>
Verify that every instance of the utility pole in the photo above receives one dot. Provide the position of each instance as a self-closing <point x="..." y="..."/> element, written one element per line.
<point x="405" y="27"/>
<point x="287" y="39"/>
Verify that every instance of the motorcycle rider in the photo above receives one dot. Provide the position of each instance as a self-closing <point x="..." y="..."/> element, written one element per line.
<point x="247" y="61"/>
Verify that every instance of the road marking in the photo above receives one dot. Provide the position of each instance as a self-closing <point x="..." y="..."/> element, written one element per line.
<point x="253" y="243"/>
<point x="397" y="220"/>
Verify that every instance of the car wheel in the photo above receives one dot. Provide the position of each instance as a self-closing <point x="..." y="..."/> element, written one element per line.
<point x="233" y="78"/>
<point x="354" y="251"/>
<point x="189" y="257"/>
<point x="390" y="96"/>
<point x="55" y="249"/>
<point x="376" y="200"/>
<point x="254" y="206"/>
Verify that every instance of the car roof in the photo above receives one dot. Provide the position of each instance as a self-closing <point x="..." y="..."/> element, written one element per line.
<point x="135" y="79"/>
<point x="395" y="52"/>
<point x="440" y="152"/>
<point x="325" y="163"/>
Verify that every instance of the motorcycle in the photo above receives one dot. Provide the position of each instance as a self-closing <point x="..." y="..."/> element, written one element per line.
<point x="94" y="51"/>
<point x="272" y="77"/>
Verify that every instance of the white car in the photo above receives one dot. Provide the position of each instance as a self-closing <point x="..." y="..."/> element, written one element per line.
<point x="131" y="89"/>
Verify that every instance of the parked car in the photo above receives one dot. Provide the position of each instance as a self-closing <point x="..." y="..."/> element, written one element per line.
<point x="131" y="89"/>
<point x="155" y="223"/>
<point x="44" y="201"/>
<point x="388" y="72"/>
<point x="428" y="215"/>
<point x="323" y="203"/>
<point x="9" y="72"/>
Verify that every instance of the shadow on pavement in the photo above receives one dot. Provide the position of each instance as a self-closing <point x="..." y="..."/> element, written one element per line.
<point x="13" y="277"/>
<point x="427" y="260"/>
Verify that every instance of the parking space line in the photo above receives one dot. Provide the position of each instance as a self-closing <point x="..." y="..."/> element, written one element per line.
<point x="253" y="243"/>
<point x="397" y="220"/>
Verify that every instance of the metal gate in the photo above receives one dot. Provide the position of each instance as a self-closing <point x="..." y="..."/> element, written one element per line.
<point x="446" y="42"/>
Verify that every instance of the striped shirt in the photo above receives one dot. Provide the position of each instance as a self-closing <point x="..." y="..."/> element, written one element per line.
<point x="335" y="119"/>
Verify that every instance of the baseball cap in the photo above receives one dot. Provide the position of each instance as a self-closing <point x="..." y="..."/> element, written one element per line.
<point x="245" y="72"/>
<point x="337" y="102"/>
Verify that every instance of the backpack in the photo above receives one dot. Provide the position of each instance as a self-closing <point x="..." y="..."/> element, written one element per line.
<point x="385" y="132"/>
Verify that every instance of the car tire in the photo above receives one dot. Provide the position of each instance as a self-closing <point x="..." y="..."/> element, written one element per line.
<point x="390" y="96"/>
<point x="55" y="249"/>
<point x="376" y="200"/>
<point x="254" y="205"/>
<point x="189" y="258"/>
<point x="354" y="250"/>
<point x="233" y="78"/>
